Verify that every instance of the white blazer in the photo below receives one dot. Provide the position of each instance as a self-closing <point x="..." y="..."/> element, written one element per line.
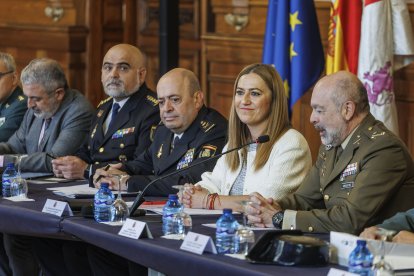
<point x="288" y="164"/>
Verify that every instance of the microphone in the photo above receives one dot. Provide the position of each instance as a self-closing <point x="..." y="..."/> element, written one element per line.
<point x="140" y="196"/>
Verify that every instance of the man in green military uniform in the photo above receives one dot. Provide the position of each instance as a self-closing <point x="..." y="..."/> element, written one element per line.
<point x="363" y="174"/>
<point x="13" y="103"/>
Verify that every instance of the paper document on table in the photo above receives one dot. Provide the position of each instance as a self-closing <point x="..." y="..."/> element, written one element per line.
<point x="213" y="225"/>
<point x="158" y="209"/>
<point x="73" y="191"/>
<point x="399" y="255"/>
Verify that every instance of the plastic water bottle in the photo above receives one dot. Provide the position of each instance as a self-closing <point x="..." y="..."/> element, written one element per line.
<point x="8" y="176"/>
<point x="360" y="259"/>
<point x="172" y="207"/>
<point x="102" y="203"/>
<point x="225" y="232"/>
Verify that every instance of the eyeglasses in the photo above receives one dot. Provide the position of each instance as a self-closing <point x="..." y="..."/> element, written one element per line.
<point x="5" y="73"/>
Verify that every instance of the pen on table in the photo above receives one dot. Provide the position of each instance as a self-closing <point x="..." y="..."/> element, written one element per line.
<point x="99" y="177"/>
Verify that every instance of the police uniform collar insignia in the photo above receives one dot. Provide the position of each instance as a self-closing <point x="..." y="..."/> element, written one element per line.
<point x="104" y="101"/>
<point x="122" y="132"/>
<point x="94" y="131"/>
<point x="186" y="159"/>
<point x="328" y="147"/>
<point x="152" y="131"/>
<point x="20" y="97"/>
<point x="100" y="112"/>
<point x="206" y="126"/>
<point x="152" y="100"/>
<point x="159" y="153"/>
<point x="207" y="151"/>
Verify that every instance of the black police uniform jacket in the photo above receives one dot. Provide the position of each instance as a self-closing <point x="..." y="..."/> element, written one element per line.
<point x="203" y="139"/>
<point x="130" y="133"/>
<point x="11" y="113"/>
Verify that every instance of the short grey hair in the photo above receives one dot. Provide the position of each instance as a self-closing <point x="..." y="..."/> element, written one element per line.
<point x="45" y="72"/>
<point x="8" y="61"/>
<point x="351" y="89"/>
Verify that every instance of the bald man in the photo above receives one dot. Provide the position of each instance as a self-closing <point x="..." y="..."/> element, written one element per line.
<point x="363" y="174"/>
<point x="124" y="122"/>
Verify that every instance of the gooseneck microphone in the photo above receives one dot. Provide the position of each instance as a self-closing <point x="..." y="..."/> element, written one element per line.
<point x="140" y="196"/>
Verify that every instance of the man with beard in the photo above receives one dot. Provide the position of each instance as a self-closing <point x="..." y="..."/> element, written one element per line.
<point x="56" y="122"/>
<point x="363" y="174"/>
<point x="124" y="122"/>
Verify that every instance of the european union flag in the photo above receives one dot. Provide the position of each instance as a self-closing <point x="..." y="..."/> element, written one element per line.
<point x="293" y="45"/>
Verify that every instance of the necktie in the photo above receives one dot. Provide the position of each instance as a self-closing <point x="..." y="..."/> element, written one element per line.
<point x="338" y="153"/>
<point x="175" y="142"/>
<point x="115" y="109"/>
<point x="46" y="123"/>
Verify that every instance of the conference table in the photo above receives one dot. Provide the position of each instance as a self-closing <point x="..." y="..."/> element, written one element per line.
<point x="163" y="255"/>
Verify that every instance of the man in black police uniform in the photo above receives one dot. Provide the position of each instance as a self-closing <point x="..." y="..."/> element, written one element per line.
<point x="190" y="132"/>
<point x="13" y="103"/>
<point x="122" y="127"/>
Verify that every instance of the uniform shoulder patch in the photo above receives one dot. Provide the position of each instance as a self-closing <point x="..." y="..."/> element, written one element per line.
<point x="375" y="132"/>
<point x="152" y="100"/>
<point x="206" y="125"/>
<point x="104" y="101"/>
<point x="207" y="151"/>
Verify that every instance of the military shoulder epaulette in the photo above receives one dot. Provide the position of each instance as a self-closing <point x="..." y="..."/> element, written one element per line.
<point x="104" y="101"/>
<point x="21" y="98"/>
<point x="374" y="132"/>
<point x="152" y="100"/>
<point x="206" y="126"/>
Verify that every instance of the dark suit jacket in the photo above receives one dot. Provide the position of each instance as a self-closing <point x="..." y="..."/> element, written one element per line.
<point x="130" y="133"/>
<point x="68" y="129"/>
<point x="204" y="138"/>
<point x="373" y="178"/>
<point x="11" y="113"/>
<point x="399" y="222"/>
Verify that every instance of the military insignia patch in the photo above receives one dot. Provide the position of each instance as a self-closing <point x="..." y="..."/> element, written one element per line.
<point x="351" y="169"/>
<point x="152" y="100"/>
<point x="94" y="131"/>
<point x="159" y="153"/>
<point x="186" y="159"/>
<point x="152" y="131"/>
<point x="104" y="101"/>
<point x="207" y="151"/>
<point x="122" y="132"/>
<point x="206" y="126"/>
<point x="21" y="98"/>
<point x="100" y="112"/>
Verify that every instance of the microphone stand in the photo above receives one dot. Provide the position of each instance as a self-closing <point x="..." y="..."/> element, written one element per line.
<point x="139" y="199"/>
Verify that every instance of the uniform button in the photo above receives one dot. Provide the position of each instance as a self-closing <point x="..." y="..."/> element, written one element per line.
<point x="310" y="229"/>
<point x="347" y="193"/>
<point x="89" y="147"/>
<point x="101" y="150"/>
<point x="326" y="197"/>
<point x="122" y="146"/>
<point x="370" y="128"/>
<point x="320" y="190"/>
<point x="96" y="162"/>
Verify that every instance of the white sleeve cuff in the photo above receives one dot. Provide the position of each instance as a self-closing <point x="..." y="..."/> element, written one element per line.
<point x="289" y="220"/>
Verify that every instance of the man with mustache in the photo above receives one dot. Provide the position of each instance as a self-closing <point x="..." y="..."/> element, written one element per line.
<point x="363" y="174"/>
<point x="123" y="123"/>
<point x="56" y="122"/>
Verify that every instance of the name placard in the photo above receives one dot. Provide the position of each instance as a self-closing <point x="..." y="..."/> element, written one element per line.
<point x="57" y="208"/>
<point x="197" y="243"/>
<point x="134" y="229"/>
<point x="339" y="272"/>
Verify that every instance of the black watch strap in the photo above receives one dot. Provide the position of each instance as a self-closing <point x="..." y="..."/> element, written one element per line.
<point x="277" y="220"/>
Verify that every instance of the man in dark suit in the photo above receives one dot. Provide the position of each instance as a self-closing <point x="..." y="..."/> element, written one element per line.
<point x="363" y="174"/>
<point x="56" y="123"/>
<point x="13" y="104"/>
<point x="124" y="122"/>
<point x="189" y="133"/>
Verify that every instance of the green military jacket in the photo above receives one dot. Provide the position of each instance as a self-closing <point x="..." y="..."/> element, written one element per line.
<point x="372" y="180"/>
<point x="11" y="114"/>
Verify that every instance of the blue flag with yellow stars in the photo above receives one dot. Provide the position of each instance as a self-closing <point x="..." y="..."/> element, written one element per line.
<point x="293" y="45"/>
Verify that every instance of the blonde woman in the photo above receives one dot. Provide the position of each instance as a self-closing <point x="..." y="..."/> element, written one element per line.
<point x="274" y="169"/>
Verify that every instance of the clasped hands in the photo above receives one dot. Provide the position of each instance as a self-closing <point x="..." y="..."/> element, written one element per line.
<point x="111" y="176"/>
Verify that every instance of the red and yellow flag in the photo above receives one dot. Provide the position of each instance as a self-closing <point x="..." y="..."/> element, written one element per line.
<point x="344" y="36"/>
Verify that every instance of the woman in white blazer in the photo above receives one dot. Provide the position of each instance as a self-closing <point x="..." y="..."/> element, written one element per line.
<point x="274" y="169"/>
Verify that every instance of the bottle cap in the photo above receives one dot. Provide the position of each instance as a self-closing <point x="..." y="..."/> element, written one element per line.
<point x="105" y="185"/>
<point x="227" y="211"/>
<point x="173" y="196"/>
<point x="361" y="242"/>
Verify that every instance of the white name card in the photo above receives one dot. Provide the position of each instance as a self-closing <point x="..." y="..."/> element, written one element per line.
<point x="134" y="229"/>
<point x="197" y="243"/>
<point x="339" y="272"/>
<point x="57" y="208"/>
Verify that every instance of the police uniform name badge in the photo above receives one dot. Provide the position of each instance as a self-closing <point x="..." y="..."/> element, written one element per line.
<point x="187" y="159"/>
<point x="122" y="132"/>
<point x="351" y="169"/>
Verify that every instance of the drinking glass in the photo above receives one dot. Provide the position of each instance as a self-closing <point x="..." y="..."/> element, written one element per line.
<point x="119" y="208"/>
<point x="381" y="267"/>
<point x="244" y="237"/>
<point x="18" y="186"/>
<point x="182" y="221"/>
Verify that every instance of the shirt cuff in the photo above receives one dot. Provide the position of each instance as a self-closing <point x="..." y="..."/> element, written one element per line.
<point x="289" y="220"/>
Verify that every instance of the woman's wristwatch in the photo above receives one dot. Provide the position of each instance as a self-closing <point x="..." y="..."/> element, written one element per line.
<point x="277" y="219"/>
